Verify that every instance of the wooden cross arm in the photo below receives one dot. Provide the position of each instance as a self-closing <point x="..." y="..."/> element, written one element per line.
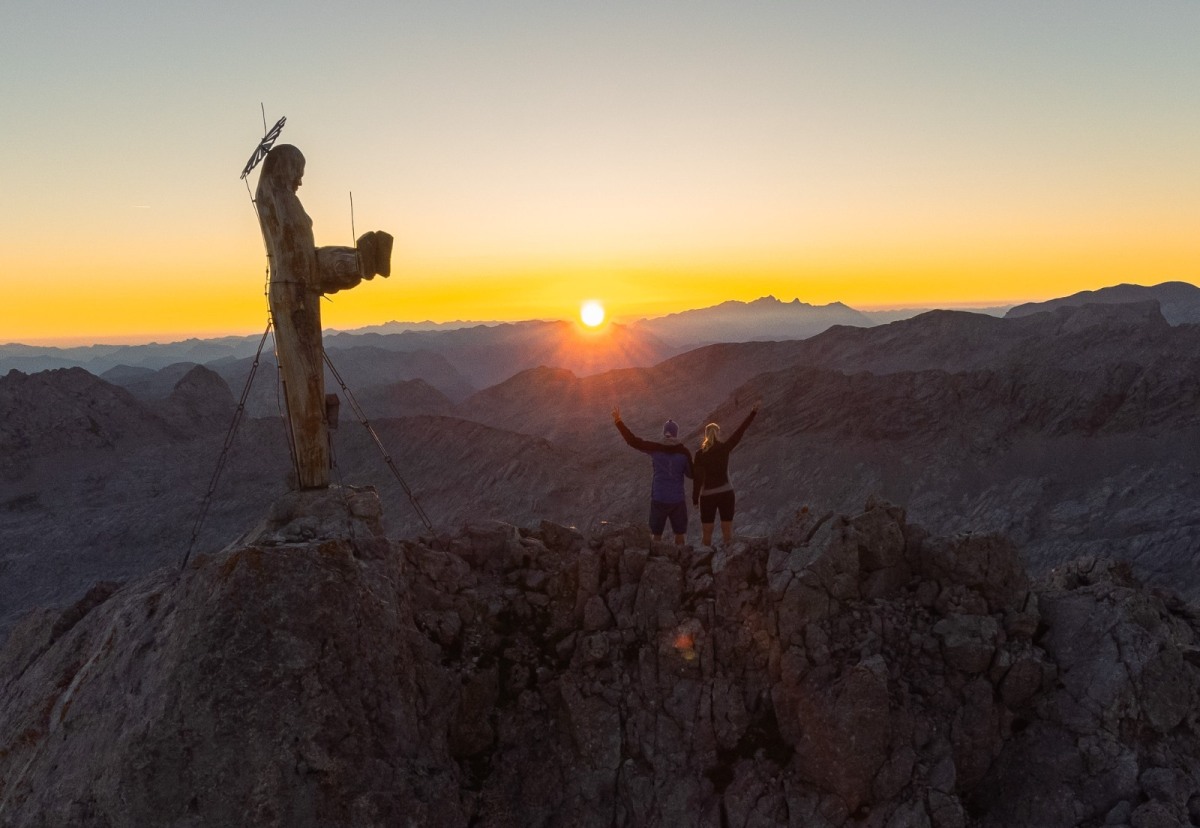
<point x="341" y="268"/>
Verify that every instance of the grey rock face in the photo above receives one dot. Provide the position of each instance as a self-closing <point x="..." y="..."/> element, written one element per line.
<point x="1119" y="726"/>
<point x="56" y="411"/>
<point x="315" y="673"/>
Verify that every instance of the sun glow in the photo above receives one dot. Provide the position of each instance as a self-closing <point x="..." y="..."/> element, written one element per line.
<point x="591" y="313"/>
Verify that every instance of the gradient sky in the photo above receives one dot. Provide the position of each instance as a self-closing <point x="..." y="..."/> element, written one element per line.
<point x="654" y="156"/>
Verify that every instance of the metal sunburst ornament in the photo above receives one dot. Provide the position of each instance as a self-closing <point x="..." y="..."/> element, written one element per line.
<point x="264" y="146"/>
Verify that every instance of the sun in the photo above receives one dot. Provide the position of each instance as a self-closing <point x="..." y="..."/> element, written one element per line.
<point x="591" y="313"/>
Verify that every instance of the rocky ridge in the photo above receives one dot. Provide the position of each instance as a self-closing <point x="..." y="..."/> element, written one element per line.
<point x="849" y="670"/>
<point x="1072" y="432"/>
<point x="1179" y="301"/>
<point x="65" y="409"/>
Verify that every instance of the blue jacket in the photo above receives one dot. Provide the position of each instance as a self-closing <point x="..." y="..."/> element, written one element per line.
<point x="671" y="461"/>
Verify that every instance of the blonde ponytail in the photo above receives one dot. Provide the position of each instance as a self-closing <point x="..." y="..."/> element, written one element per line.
<point x="710" y="436"/>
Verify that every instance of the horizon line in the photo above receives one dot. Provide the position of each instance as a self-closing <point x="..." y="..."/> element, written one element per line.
<point x="175" y="337"/>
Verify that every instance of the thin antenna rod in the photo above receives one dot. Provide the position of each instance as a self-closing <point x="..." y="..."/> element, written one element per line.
<point x="353" y="235"/>
<point x="264" y="113"/>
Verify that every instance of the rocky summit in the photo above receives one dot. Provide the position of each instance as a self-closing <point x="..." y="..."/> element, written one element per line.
<point x="849" y="670"/>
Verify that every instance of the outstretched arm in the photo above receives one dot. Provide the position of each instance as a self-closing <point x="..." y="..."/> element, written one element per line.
<point x="737" y="435"/>
<point x="633" y="440"/>
<point x="648" y="446"/>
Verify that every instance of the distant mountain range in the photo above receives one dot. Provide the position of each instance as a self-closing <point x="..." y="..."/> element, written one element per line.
<point x="1179" y="301"/>
<point x="1073" y="429"/>
<point x="482" y="352"/>
<point x="456" y="361"/>
<point x="457" y="358"/>
<point x="101" y="358"/>
<point x="763" y="319"/>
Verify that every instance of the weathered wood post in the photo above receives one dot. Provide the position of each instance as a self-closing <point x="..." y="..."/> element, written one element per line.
<point x="300" y="273"/>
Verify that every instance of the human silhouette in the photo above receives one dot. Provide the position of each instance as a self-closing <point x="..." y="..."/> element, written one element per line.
<point x="671" y="462"/>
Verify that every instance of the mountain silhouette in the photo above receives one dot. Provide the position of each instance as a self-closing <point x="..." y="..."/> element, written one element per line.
<point x="1179" y="301"/>
<point x="766" y="318"/>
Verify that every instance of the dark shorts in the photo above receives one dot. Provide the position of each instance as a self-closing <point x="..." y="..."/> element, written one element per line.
<point x="711" y="504"/>
<point x="660" y="512"/>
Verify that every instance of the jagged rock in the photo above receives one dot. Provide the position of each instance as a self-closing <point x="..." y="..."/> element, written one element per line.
<point x="318" y="514"/>
<point x="566" y="538"/>
<point x="596" y="615"/>
<point x="1024" y="675"/>
<point x="1116" y="715"/>
<point x="980" y="573"/>
<point x="840" y="728"/>
<point x="968" y="641"/>
<point x="864" y="674"/>
<point x="169" y="704"/>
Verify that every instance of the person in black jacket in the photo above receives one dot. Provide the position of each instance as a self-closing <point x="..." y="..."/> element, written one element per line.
<point x="671" y="462"/>
<point x="711" y="488"/>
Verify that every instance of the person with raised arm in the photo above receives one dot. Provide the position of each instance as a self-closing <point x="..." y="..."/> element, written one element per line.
<point x="711" y="489"/>
<point x="671" y="462"/>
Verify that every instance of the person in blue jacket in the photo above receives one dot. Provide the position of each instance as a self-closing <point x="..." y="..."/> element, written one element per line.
<point x="671" y="462"/>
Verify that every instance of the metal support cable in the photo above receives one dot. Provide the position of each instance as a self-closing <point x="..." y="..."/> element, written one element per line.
<point x="387" y="458"/>
<point x="223" y="458"/>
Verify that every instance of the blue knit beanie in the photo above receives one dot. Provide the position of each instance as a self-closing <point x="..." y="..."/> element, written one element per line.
<point x="670" y="428"/>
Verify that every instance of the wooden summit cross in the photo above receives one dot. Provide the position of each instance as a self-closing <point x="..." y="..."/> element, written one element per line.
<point x="301" y="273"/>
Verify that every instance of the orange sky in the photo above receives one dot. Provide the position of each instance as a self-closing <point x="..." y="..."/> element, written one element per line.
<point x="654" y="159"/>
<point x="108" y="296"/>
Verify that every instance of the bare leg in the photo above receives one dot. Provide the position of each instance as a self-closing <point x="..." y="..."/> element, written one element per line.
<point x="657" y="537"/>
<point x="727" y="530"/>
<point x="706" y="533"/>
<point x="679" y="539"/>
